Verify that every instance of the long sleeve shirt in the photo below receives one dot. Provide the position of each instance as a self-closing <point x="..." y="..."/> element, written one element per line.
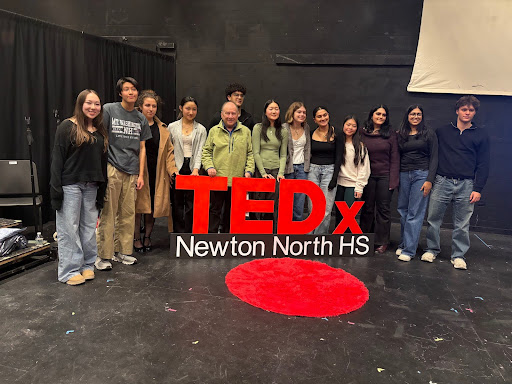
<point x="419" y="153"/>
<point x="384" y="156"/>
<point x="351" y="175"/>
<point x="464" y="155"/>
<point x="72" y="164"/>
<point x="269" y="154"/>
<point x="229" y="152"/>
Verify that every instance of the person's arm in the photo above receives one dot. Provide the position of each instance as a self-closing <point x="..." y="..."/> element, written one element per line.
<point x="102" y="187"/>
<point x="201" y="137"/>
<point x="58" y="159"/>
<point x="142" y="163"/>
<point x="256" y="149"/>
<point x="249" y="162"/>
<point x="339" y="144"/>
<point x="363" y="173"/>
<point x="432" y="165"/>
<point x="170" y="163"/>
<point x="106" y="119"/>
<point x="283" y="153"/>
<point x="482" y="169"/>
<point x="394" y="163"/>
<point x="207" y="155"/>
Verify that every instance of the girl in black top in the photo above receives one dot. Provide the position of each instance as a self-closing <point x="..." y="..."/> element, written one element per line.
<point x="77" y="187"/>
<point x="418" y="166"/>
<point x="325" y="158"/>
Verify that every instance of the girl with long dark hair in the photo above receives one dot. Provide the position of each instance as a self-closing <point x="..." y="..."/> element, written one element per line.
<point x="382" y="145"/>
<point x="299" y="151"/>
<point x="77" y="186"/>
<point x="153" y="198"/>
<point x="418" y="166"/>
<point x="188" y="137"/>
<point x="325" y="158"/>
<point x="270" y="149"/>
<point x="355" y="165"/>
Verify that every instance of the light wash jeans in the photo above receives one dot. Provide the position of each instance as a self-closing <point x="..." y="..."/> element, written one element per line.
<point x="444" y="191"/>
<point x="76" y="225"/>
<point x="411" y="207"/>
<point x="321" y="175"/>
<point x="298" y="198"/>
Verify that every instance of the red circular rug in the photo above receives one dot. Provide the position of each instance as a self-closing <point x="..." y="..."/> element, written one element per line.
<point x="297" y="287"/>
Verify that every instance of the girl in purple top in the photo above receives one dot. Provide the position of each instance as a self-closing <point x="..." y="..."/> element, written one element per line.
<point x="381" y="142"/>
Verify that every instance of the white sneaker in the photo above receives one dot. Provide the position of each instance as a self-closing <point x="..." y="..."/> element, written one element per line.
<point x="125" y="259"/>
<point x="404" y="258"/>
<point x="459" y="263"/>
<point x="399" y="252"/>
<point x="102" y="264"/>
<point x="428" y="256"/>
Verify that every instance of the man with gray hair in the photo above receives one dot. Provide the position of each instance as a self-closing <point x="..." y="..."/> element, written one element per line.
<point x="227" y="152"/>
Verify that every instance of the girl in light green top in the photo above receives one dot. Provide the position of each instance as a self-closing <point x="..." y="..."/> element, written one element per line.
<point x="270" y="148"/>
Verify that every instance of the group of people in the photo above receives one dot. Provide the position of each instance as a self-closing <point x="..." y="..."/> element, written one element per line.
<point x="120" y="160"/>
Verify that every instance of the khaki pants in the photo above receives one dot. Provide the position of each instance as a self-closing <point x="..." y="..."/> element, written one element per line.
<point x="117" y="219"/>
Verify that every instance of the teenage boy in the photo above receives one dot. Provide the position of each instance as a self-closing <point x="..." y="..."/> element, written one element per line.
<point x="236" y="94"/>
<point x="128" y="131"/>
<point x="461" y="175"/>
<point x="227" y="152"/>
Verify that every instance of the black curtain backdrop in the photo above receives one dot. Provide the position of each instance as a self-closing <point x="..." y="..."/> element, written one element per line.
<point x="43" y="69"/>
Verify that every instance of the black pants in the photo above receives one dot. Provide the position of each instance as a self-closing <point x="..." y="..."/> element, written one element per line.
<point x="376" y="211"/>
<point x="267" y="196"/>
<point x="344" y="194"/>
<point x="218" y="217"/>
<point x="182" y="212"/>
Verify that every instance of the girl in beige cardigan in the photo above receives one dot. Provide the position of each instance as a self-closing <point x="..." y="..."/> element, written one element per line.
<point x="153" y="199"/>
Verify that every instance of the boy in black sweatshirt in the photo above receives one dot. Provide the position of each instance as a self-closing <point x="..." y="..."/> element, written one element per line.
<point x="462" y="172"/>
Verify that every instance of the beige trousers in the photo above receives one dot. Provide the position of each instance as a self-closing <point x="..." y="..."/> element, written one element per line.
<point x="117" y="219"/>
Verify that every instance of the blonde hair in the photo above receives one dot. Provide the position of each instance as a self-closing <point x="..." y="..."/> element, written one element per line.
<point x="288" y="118"/>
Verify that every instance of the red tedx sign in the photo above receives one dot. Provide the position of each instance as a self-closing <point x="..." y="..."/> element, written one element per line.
<point x="240" y="205"/>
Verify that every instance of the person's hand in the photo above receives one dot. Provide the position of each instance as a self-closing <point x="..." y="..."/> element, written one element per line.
<point x="195" y="172"/>
<point x="268" y="176"/>
<point x="140" y="183"/>
<point x="279" y="178"/>
<point x="426" y="187"/>
<point x="212" y="172"/>
<point x="474" y="197"/>
<point x="358" y="195"/>
<point x="248" y="174"/>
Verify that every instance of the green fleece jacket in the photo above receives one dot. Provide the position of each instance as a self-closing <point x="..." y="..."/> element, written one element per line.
<point x="229" y="153"/>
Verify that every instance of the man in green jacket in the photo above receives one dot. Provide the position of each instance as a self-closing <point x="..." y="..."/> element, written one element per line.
<point x="227" y="152"/>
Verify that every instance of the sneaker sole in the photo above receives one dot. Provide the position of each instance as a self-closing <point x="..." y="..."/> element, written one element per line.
<point x="123" y="261"/>
<point x="103" y="269"/>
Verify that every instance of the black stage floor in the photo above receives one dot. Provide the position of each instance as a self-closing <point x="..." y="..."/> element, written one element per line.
<point x="424" y="323"/>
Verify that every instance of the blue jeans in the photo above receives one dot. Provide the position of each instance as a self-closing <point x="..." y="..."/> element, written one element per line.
<point x="444" y="191"/>
<point x="298" y="198"/>
<point x="76" y="227"/>
<point x="321" y="175"/>
<point x="411" y="206"/>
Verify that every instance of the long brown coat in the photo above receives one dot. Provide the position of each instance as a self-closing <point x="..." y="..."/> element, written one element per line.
<point x="165" y="167"/>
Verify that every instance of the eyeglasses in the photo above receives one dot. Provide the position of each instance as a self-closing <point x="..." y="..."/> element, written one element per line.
<point x="415" y="114"/>
<point x="238" y="94"/>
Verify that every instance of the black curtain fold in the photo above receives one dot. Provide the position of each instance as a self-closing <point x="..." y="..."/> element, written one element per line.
<point x="43" y="69"/>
